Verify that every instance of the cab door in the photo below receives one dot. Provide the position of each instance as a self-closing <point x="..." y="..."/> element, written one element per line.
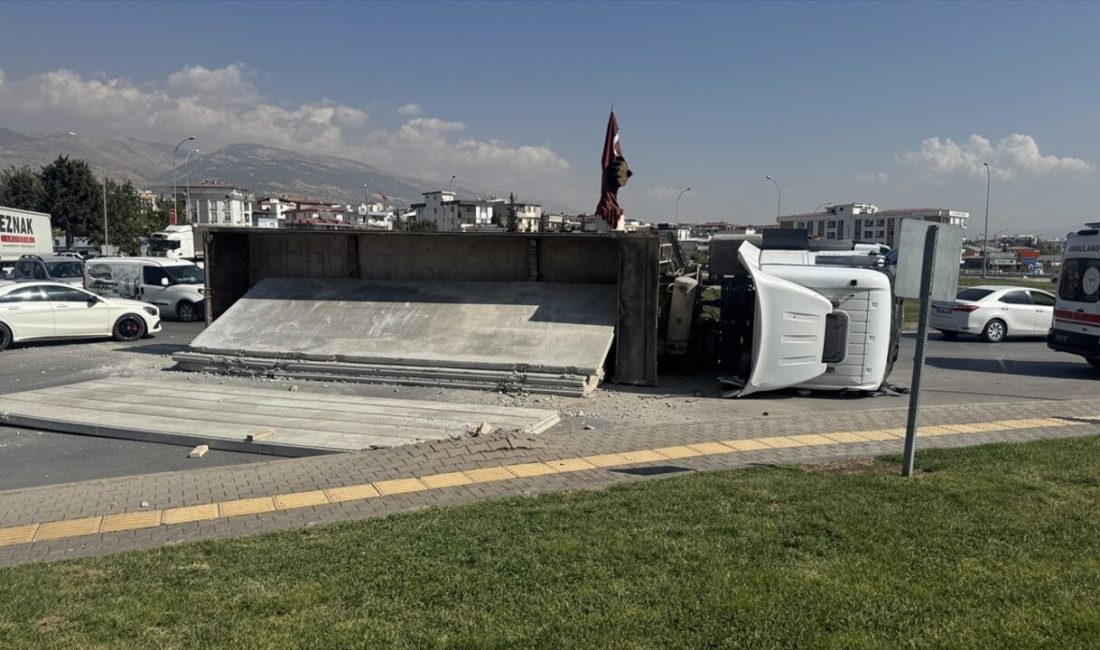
<point x="1017" y="311"/>
<point x="28" y="313"/>
<point x="77" y="313"/>
<point x="153" y="288"/>
<point x="1044" y="310"/>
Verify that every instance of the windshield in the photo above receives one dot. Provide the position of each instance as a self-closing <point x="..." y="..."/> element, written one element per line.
<point x="1080" y="281"/>
<point x="189" y="274"/>
<point x="163" y="245"/>
<point x="972" y="294"/>
<point x="65" y="269"/>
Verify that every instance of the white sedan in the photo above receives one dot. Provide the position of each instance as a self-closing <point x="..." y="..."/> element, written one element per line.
<point x="49" y="310"/>
<point x="994" y="312"/>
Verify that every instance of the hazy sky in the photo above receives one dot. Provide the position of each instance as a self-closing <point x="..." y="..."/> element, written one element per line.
<point x="892" y="103"/>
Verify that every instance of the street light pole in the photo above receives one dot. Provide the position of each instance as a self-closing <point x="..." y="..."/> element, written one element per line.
<point x="821" y="206"/>
<point x="451" y="185"/>
<point x="985" y="244"/>
<point x="175" y="201"/>
<point x="686" y="189"/>
<point x="187" y="184"/>
<point x="778" y="197"/>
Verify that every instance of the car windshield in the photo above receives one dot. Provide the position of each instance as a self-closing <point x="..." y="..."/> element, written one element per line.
<point x="65" y="269"/>
<point x="972" y="294"/>
<point x="189" y="274"/>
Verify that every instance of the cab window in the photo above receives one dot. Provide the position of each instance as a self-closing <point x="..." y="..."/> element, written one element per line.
<point x="153" y="274"/>
<point x="28" y="294"/>
<point x="66" y="294"/>
<point x="38" y="271"/>
<point x="1042" y="299"/>
<point x="1016" y="298"/>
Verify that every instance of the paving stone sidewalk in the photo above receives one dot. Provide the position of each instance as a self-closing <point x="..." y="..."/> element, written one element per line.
<point x="446" y="467"/>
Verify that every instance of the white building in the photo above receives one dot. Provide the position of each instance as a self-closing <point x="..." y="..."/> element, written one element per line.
<point x="218" y="204"/>
<point x="450" y="214"/>
<point x="866" y="222"/>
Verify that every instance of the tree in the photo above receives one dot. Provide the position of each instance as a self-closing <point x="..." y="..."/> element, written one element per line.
<point x="71" y="195"/>
<point x="21" y="188"/>
<point x="513" y="220"/>
<point x="130" y="219"/>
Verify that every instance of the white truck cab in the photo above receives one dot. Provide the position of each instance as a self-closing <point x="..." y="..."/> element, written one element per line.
<point x="176" y="286"/>
<point x="1076" y="326"/>
<point x="819" y="320"/>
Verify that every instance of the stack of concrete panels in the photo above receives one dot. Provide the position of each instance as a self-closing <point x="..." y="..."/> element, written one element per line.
<point x="537" y="336"/>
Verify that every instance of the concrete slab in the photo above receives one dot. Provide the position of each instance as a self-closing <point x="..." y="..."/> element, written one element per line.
<point x="473" y="332"/>
<point x="224" y="417"/>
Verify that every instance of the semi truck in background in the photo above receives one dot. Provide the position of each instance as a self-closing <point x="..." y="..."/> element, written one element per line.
<point x="22" y="232"/>
<point x="176" y="243"/>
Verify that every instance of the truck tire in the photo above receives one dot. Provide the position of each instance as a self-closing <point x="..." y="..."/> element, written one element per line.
<point x="130" y="327"/>
<point x="5" y="336"/>
<point x="186" y="312"/>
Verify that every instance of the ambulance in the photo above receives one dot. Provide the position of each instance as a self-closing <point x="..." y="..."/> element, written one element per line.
<point x="1077" y="305"/>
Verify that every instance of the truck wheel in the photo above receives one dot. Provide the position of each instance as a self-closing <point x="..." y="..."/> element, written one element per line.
<point x="186" y="312"/>
<point x="129" y="328"/>
<point x="995" y="331"/>
<point x="5" y="336"/>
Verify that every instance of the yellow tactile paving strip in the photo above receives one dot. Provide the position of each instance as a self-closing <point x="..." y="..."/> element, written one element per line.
<point x="126" y="521"/>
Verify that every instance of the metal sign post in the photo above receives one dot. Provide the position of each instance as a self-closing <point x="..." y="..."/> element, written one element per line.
<point x="927" y="268"/>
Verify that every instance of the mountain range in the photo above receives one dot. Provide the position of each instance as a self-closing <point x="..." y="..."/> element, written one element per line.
<point x="267" y="171"/>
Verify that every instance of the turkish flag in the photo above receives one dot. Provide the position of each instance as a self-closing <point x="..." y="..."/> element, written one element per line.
<point x="608" y="207"/>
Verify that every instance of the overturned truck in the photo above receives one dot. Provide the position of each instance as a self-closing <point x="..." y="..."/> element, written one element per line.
<point x="539" y="312"/>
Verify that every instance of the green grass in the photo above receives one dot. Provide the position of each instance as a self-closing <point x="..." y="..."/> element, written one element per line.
<point x="988" y="547"/>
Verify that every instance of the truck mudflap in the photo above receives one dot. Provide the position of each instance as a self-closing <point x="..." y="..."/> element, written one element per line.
<point x="788" y="332"/>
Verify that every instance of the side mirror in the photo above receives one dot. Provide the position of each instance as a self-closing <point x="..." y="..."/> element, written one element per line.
<point x="164" y="282"/>
<point x="93" y="301"/>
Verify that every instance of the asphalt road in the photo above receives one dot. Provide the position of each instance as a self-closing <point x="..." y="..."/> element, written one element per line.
<point x="957" y="372"/>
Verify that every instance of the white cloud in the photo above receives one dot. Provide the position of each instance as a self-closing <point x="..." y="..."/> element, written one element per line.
<point x="873" y="178"/>
<point x="224" y="105"/>
<point x="1014" y="156"/>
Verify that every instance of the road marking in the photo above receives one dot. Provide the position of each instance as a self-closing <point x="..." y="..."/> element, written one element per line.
<point x="52" y="530"/>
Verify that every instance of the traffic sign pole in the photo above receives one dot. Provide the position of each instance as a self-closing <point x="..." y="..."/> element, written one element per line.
<point x="927" y="267"/>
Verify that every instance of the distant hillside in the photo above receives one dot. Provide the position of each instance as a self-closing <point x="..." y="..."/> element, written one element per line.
<point x="262" y="169"/>
<point x="267" y="170"/>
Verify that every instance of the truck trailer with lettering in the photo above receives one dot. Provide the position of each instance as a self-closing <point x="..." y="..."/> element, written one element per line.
<point x="22" y="232"/>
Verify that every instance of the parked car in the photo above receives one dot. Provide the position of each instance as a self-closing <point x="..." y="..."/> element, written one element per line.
<point x="50" y="310"/>
<point x="176" y="286"/>
<point x="58" y="268"/>
<point x="995" y="312"/>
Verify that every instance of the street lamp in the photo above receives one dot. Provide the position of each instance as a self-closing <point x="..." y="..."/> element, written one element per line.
<point x="778" y="197"/>
<point x="686" y="189"/>
<point x="106" y="234"/>
<point x="821" y="206"/>
<point x="175" y="202"/>
<point x="451" y="184"/>
<point x="187" y="184"/>
<point x="985" y="244"/>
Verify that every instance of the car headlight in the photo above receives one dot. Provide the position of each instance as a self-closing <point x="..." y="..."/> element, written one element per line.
<point x="152" y="311"/>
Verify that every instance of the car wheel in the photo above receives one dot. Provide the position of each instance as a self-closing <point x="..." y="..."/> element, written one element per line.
<point x="948" y="334"/>
<point x="995" y="331"/>
<point x="186" y="312"/>
<point x="5" y="336"/>
<point x="129" y="328"/>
